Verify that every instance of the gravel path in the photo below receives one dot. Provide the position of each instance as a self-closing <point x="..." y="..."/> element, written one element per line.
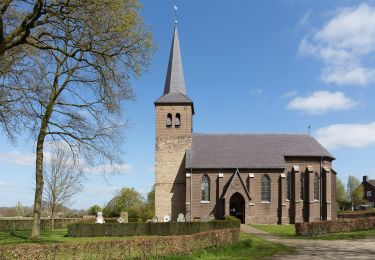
<point x="320" y="249"/>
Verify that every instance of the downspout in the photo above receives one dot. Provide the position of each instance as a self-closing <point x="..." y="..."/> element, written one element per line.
<point x="191" y="190"/>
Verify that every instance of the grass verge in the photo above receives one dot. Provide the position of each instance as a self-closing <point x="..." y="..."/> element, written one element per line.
<point x="288" y="231"/>
<point x="249" y="247"/>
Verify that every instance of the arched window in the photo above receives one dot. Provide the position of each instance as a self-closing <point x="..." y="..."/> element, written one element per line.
<point x="316" y="187"/>
<point x="169" y="120"/>
<point x="302" y="185"/>
<point x="177" y="122"/>
<point x="205" y="188"/>
<point x="266" y="188"/>
<point x="288" y="186"/>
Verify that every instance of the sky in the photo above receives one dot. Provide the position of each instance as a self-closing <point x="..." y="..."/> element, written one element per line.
<point x="250" y="67"/>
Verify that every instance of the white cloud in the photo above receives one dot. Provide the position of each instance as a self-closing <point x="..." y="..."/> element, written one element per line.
<point x="345" y="44"/>
<point x="347" y="135"/>
<point x="108" y="168"/>
<point x="19" y="158"/>
<point x="321" y="102"/>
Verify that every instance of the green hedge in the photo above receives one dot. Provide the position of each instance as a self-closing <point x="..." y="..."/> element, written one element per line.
<point x="356" y="214"/>
<point x="26" y="223"/>
<point x="147" y="229"/>
<point x="153" y="247"/>
<point x="334" y="226"/>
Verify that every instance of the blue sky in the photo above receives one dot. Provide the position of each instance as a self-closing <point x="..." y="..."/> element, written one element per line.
<point x="250" y="66"/>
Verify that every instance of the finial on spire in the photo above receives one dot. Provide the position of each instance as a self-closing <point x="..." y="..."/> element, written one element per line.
<point x="309" y="128"/>
<point x="175" y="13"/>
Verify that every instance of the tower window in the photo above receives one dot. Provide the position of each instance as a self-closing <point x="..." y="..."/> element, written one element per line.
<point x="205" y="188"/>
<point x="266" y="188"/>
<point x="178" y="120"/>
<point x="288" y="186"/>
<point x="169" y="120"/>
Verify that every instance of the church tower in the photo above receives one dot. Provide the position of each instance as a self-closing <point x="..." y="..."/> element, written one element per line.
<point x="174" y="117"/>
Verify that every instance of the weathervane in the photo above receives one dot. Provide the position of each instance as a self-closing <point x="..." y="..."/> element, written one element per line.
<point x="309" y="128"/>
<point x="175" y="13"/>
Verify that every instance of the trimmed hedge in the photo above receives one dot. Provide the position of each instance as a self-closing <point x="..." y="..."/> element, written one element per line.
<point x="25" y="224"/>
<point x="354" y="214"/>
<point x="147" y="229"/>
<point x="334" y="226"/>
<point x="137" y="248"/>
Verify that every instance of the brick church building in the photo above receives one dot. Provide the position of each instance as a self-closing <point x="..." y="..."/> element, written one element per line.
<point x="258" y="178"/>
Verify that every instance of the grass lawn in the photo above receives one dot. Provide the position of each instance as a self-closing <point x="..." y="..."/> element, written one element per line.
<point x="288" y="231"/>
<point x="48" y="236"/>
<point x="249" y="247"/>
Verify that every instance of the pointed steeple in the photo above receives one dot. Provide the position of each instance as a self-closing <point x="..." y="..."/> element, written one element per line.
<point x="175" y="82"/>
<point x="174" y="88"/>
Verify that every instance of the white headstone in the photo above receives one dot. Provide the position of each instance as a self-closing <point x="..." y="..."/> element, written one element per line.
<point x="99" y="218"/>
<point x="166" y="218"/>
<point x="181" y="218"/>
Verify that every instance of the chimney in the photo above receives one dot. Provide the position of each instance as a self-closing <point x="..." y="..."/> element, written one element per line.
<point x="365" y="178"/>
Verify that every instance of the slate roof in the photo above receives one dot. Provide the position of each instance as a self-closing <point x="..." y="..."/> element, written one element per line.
<point x="249" y="151"/>
<point x="174" y="88"/>
<point x="372" y="182"/>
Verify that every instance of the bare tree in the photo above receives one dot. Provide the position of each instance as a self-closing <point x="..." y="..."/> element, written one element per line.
<point x="62" y="181"/>
<point x="70" y="81"/>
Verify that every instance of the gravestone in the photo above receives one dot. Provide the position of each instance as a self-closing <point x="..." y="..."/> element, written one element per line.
<point x="100" y="218"/>
<point x="125" y="216"/>
<point x="181" y="218"/>
<point x="167" y="218"/>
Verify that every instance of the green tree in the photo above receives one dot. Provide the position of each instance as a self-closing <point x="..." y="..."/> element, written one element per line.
<point x="71" y="76"/>
<point x="93" y="210"/>
<point x="149" y="211"/>
<point x="127" y="199"/>
<point x="352" y="189"/>
<point x="342" y="198"/>
<point x="358" y="195"/>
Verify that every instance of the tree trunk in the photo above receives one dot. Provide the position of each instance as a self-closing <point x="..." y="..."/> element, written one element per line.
<point x="53" y="218"/>
<point x="35" y="230"/>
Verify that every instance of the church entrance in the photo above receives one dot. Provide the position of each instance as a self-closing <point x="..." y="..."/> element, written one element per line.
<point x="237" y="207"/>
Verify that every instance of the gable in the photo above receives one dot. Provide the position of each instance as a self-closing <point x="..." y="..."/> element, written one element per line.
<point x="236" y="184"/>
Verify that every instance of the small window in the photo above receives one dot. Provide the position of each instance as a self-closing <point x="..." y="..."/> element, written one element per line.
<point x="205" y="188"/>
<point x="316" y="187"/>
<point x="178" y="120"/>
<point x="169" y="120"/>
<point x="288" y="186"/>
<point x="369" y="193"/>
<point x="302" y="185"/>
<point x="266" y="188"/>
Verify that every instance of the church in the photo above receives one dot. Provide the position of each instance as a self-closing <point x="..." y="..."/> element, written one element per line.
<point x="258" y="178"/>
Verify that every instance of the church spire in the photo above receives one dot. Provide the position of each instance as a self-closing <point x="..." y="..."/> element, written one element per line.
<point x="175" y="82"/>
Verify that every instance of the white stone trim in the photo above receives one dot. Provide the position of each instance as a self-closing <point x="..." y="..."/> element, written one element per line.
<point x="221" y="175"/>
<point x="283" y="175"/>
<point x="205" y="202"/>
<point x="251" y="175"/>
<point x="296" y="168"/>
<point x="188" y="175"/>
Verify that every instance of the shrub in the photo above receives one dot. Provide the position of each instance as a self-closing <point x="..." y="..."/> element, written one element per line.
<point x="232" y="218"/>
<point x="356" y="214"/>
<point x="138" y="248"/>
<point x="339" y="225"/>
<point x="25" y="223"/>
<point x="147" y="229"/>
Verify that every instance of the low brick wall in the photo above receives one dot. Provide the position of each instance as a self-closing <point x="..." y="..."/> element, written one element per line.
<point x="26" y="223"/>
<point x="339" y="225"/>
<point x="138" y="248"/>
